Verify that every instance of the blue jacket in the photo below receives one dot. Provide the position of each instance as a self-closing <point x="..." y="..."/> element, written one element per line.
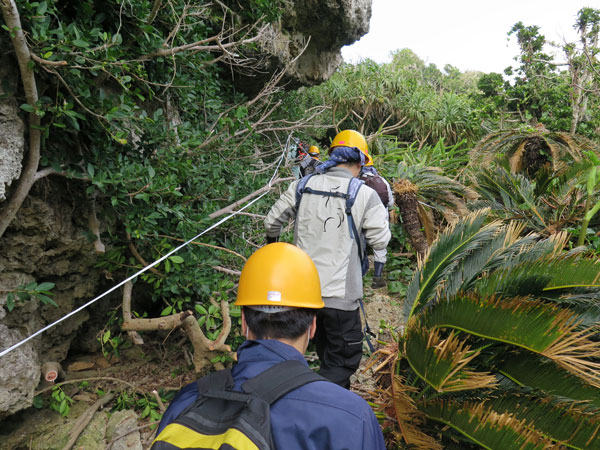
<point x="317" y="416"/>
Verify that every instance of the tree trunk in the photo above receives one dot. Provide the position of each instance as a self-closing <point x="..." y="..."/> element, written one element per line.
<point x="406" y="200"/>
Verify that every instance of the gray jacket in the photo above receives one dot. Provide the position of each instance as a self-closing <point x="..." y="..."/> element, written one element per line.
<point x="321" y="229"/>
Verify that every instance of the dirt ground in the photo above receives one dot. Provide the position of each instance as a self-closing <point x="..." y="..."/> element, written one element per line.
<point x="158" y="364"/>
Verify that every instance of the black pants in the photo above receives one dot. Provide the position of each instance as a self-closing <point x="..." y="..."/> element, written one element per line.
<point x="339" y="344"/>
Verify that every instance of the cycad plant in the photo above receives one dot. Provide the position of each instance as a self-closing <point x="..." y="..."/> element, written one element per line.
<point x="546" y="203"/>
<point x="531" y="149"/>
<point x="500" y="349"/>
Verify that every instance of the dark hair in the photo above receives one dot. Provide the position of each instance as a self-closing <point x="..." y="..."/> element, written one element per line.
<point x="282" y="325"/>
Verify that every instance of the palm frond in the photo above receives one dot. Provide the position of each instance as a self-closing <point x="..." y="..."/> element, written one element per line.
<point x="409" y="417"/>
<point x="485" y="427"/>
<point x="542" y="374"/>
<point x="441" y="362"/>
<point x="542" y="275"/>
<point x="538" y="327"/>
<point x="451" y="246"/>
<point x="480" y="260"/>
<point x="515" y="192"/>
<point x="574" y="427"/>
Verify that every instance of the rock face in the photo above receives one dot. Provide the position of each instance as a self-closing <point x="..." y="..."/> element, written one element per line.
<point x="325" y="25"/>
<point x="12" y="138"/>
<point x="45" y="243"/>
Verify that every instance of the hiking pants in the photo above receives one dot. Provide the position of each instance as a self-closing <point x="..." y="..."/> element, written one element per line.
<point x="339" y="344"/>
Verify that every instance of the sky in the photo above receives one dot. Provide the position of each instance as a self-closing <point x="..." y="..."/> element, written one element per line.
<point x="468" y="34"/>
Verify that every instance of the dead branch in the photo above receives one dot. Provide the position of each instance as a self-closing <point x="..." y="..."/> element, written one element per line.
<point x="155" y="8"/>
<point x="206" y="245"/>
<point x="227" y="271"/>
<point x="141" y="427"/>
<point x="10" y="14"/>
<point x="202" y="46"/>
<point x="204" y="349"/>
<point x="159" y="402"/>
<point x="158" y="323"/>
<point x="85" y="419"/>
<point x="79" y="380"/>
<point x="256" y="193"/>
<point x="39" y="60"/>
<point x="95" y="227"/>
<point x="256" y="216"/>
<point x="52" y="371"/>
<point x="141" y="260"/>
<point x="126" y="308"/>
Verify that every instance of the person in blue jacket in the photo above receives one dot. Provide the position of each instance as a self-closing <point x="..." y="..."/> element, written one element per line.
<point x="278" y="319"/>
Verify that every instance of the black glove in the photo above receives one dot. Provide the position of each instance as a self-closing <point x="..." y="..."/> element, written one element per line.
<point x="270" y="239"/>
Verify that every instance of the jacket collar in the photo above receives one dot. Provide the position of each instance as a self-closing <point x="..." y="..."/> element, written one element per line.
<point x="340" y="172"/>
<point x="267" y="350"/>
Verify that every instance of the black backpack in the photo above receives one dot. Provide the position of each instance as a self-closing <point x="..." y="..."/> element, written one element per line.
<point x="222" y="418"/>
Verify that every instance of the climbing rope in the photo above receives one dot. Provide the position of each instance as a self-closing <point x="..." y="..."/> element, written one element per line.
<point x="158" y="261"/>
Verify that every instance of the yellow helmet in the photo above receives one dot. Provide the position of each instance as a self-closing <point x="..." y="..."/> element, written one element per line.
<point x="314" y="150"/>
<point x="352" y="138"/>
<point x="280" y="274"/>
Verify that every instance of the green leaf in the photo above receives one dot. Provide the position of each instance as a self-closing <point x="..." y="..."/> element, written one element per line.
<point x="166" y="311"/>
<point x="81" y="44"/>
<point x="91" y="170"/>
<point x="10" y="302"/>
<point x="27" y="107"/>
<point x="176" y="259"/>
<point x="38" y="402"/>
<point x="46" y="286"/>
<point x="200" y="309"/>
<point x="42" y="8"/>
<point x="47" y="300"/>
<point x="591" y="181"/>
<point x="106" y="336"/>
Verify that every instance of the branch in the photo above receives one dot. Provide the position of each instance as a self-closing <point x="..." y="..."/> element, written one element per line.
<point x="126" y="307"/>
<point x="95" y="227"/>
<point x="85" y="419"/>
<point x="256" y="193"/>
<point x="11" y="17"/>
<point x="155" y="8"/>
<point x="200" y="46"/>
<point x="227" y="271"/>
<point x="39" y="60"/>
<point x="159" y="323"/>
<point x="206" y="245"/>
<point x="140" y="259"/>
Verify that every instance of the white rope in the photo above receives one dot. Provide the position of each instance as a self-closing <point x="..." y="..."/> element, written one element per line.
<point x="158" y="261"/>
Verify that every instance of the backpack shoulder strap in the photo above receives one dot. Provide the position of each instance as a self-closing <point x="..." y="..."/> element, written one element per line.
<point x="300" y="188"/>
<point x="220" y="380"/>
<point x="280" y="379"/>
<point x="353" y="187"/>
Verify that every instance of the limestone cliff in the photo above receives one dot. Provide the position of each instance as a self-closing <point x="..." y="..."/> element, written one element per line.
<point x="323" y="26"/>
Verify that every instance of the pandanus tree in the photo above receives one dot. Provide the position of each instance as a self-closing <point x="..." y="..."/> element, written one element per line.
<point x="500" y="348"/>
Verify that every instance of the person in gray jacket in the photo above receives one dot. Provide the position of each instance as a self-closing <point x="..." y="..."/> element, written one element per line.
<point x="321" y="229"/>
